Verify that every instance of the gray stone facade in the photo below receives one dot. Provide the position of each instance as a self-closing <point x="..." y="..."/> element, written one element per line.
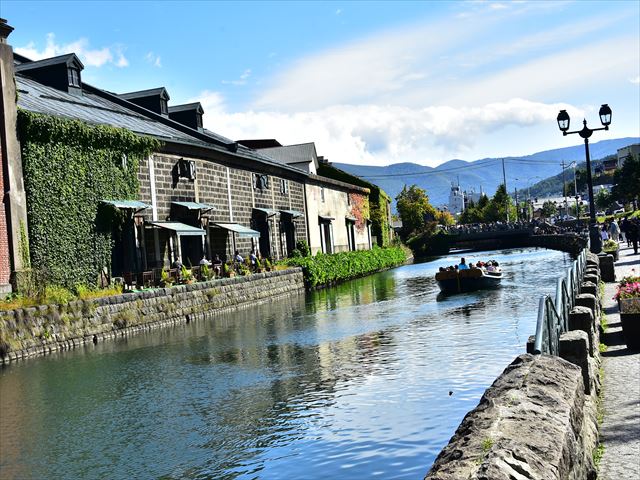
<point x="233" y="193"/>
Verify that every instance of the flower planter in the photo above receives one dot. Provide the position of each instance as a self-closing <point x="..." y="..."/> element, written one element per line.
<point x="630" y="319"/>
<point x="631" y="329"/>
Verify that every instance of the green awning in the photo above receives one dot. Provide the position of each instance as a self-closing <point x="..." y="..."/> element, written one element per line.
<point x="195" y="205"/>
<point x="181" y="229"/>
<point x="293" y="213"/>
<point x="269" y="212"/>
<point x="134" y="204"/>
<point x="240" y="230"/>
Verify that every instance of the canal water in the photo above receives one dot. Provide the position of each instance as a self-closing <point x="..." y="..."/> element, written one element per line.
<point x="368" y="379"/>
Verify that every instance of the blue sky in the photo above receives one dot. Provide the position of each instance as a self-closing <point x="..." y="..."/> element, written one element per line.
<point x="370" y="82"/>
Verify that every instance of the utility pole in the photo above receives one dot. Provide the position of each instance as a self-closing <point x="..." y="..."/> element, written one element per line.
<point x="564" y="191"/>
<point x="515" y="190"/>
<point x="504" y="179"/>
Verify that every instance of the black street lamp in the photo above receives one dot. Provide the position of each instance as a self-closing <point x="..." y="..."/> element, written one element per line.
<point x="563" y="123"/>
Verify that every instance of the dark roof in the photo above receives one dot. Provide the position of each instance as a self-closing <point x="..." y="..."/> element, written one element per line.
<point x="257" y="144"/>
<point x="152" y="92"/>
<point x="303" y="153"/>
<point x="47" y="62"/>
<point x="187" y="107"/>
<point x="97" y="106"/>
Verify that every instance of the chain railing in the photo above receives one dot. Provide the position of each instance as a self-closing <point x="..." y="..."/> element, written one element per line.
<point x="553" y="314"/>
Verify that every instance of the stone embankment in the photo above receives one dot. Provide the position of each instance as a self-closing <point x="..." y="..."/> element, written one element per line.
<point x="538" y="421"/>
<point x="41" y="330"/>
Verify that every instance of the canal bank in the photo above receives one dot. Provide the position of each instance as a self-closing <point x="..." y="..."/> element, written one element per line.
<point x="35" y="331"/>
<point x="370" y="377"/>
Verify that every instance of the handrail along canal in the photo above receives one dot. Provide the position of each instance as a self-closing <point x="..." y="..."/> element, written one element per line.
<point x="553" y="313"/>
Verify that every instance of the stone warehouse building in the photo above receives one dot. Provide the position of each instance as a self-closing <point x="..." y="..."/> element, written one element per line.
<point x="198" y="194"/>
<point x="337" y="212"/>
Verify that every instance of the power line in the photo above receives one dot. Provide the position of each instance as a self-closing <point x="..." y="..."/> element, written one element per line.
<point x="471" y="166"/>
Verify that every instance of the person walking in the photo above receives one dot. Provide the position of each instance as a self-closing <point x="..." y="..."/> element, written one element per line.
<point x="624" y="226"/>
<point x="633" y="232"/>
<point x="614" y="230"/>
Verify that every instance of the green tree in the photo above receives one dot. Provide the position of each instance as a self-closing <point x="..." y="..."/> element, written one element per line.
<point x="627" y="181"/>
<point x="496" y="208"/>
<point x="549" y="209"/>
<point x="415" y="210"/>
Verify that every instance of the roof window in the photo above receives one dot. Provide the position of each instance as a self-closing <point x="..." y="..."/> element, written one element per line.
<point x="73" y="75"/>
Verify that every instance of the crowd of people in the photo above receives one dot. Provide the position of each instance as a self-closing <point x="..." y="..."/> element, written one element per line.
<point x="628" y="230"/>
<point x="490" y="266"/>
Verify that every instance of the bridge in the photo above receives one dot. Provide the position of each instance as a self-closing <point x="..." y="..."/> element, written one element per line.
<point x="569" y="242"/>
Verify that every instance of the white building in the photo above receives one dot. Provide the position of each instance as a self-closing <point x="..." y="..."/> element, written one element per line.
<point x="456" y="200"/>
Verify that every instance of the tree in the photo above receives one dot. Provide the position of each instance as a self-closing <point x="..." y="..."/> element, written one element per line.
<point x="415" y="210"/>
<point x="603" y="199"/>
<point x="444" y="218"/>
<point x="626" y="179"/>
<point x="549" y="209"/>
<point x="496" y="208"/>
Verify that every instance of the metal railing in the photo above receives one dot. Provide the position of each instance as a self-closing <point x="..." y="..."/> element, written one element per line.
<point x="553" y="313"/>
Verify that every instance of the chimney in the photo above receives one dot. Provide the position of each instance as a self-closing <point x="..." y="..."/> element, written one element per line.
<point x="13" y="210"/>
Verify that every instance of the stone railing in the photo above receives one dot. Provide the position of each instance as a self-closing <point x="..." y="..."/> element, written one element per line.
<point x="538" y="421"/>
<point x="41" y="330"/>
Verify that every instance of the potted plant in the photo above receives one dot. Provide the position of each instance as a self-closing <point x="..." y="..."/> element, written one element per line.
<point x="267" y="264"/>
<point x="186" y="275"/>
<point x="628" y="296"/>
<point x="206" y="272"/>
<point x="165" y="279"/>
<point x="611" y="247"/>
<point x="228" y="270"/>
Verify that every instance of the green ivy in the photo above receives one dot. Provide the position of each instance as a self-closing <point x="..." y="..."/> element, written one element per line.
<point x="69" y="166"/>
<point x="327" y="269"/>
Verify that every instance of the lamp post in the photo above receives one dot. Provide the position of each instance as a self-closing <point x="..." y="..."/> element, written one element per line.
<point x="586" y="132"/>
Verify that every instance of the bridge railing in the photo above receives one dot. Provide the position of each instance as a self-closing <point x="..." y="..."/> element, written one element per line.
<point x="553" y="313"/>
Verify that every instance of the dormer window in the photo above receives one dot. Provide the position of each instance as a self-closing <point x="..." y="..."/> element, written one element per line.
<point x="199" y="121"/>
<point x="164" y="110"/>
<point x="73" y="75"/>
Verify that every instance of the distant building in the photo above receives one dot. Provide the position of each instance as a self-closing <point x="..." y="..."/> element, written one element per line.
<point x="629" y="150"/>
<point x="456" y="200"/>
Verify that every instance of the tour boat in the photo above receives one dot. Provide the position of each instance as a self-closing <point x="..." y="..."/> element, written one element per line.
<point x="457" y="281"/>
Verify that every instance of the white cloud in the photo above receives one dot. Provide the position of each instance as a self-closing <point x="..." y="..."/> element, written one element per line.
<point x="240" y="81"/>
<point x="153" y="59"/>
<point x="635" y="81"/>
<point x="379" y="135"/>
<point x="93" y="58"/>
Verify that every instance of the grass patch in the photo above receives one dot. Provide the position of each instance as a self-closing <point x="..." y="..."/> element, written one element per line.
<point x="602" y="347"/>
<point x="604" y="324"/>
<point x="597" y="455"/>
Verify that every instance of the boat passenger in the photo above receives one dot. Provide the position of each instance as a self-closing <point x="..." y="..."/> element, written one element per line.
<point x="463" y="264"/>
<point x="490" y="267"/>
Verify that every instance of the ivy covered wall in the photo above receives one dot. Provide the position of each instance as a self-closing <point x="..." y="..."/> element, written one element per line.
<point x="69" y="167"/>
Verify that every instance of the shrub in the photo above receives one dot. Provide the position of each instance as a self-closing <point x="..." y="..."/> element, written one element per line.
<point x="326" y="269"/>
<point x="303" y="247"/>
<point x="57" y="294"/>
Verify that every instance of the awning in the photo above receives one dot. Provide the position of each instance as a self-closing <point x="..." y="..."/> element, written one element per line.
<point x="324" y="218"/>
<point x="134" y="204"/>
<point x="293" y="213"/>
<point x="180" y="229"/>
<point x="240" y="230"/>
<point x="195" y="205"/>
<point x="350" y="219"/>
<point x="269" y="212"/>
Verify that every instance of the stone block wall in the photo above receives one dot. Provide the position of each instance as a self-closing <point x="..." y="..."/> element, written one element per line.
<point x="41" y="330"/>
<point x="211" y="187"/>
<point x="534" y="423"/>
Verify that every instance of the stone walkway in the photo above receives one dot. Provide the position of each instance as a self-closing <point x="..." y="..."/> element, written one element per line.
<point x="620" y="430"/>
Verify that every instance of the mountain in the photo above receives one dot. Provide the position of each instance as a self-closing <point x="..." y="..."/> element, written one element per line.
<point x="485" y="174"/>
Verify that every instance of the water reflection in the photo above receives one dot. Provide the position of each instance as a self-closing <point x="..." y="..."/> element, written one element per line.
<point x="346" y="382"/>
